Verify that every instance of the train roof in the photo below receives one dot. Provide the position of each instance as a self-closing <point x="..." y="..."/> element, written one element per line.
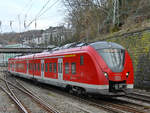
<point x="72" y="47"/>
<point x="104" y="44"/>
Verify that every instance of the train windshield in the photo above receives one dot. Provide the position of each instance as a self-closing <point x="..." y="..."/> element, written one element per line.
<point x="114" y="58"/>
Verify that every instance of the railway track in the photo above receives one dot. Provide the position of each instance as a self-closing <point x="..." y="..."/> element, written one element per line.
<point x="113" y="106"/>
<point x="20" y="106"/>
<point x="10" y="92"/>
<point x="139" y="96"/>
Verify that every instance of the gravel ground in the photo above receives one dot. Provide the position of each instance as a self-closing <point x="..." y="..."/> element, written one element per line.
<point x="31" y="105"/>
<point x="62" y="103"/>
<point x="6" y="104"/>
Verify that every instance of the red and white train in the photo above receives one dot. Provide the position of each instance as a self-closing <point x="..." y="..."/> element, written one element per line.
<point x="98" y="68"/>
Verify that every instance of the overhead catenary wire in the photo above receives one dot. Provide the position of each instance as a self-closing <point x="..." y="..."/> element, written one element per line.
<point x="44" y="6"/>
<point x="27" y="7"/>
<point x="30" y="4"/>
<point x="37" y="17"/>
<point x="22" y="19"/>
<point x="30" y="7"/>
<point x="40" y="13"/>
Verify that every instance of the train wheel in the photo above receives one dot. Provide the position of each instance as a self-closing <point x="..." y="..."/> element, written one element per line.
<point x="78" y="91"/>
<point x="71" y="91"/>
<point x="81" y="92"/>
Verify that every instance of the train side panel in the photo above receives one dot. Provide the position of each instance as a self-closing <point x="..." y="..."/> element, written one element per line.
<point x="36" y="66"/>
<point x="50" y="70"/>
<point x="79" y="68"/>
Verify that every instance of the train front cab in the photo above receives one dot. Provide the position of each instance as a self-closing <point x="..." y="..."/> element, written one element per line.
<point x="116" y="65"/>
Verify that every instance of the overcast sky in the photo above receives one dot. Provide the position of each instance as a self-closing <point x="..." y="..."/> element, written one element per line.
<point x="15" y="10"/>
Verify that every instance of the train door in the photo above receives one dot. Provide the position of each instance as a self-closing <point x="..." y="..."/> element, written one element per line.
<point x="27" y="67"/>
<point x="42" y="68"/>
<point x="60" y="69"/>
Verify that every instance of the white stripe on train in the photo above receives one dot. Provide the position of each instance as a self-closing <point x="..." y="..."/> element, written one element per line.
<point x="63" y="83"/>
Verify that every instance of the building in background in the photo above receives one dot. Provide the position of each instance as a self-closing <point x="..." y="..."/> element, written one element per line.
<point x="53" y="36"/>
<point x="32" y="38"/>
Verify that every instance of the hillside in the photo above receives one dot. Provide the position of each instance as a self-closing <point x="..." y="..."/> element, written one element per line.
<point x="13" y="38"/>
<point x="9" y="38"/>
<point x="92" y="19"/>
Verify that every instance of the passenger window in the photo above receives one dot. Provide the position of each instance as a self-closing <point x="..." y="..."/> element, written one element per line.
<point x="29" y="66"/>
<point x="73" y="68"/>
<point x="50" y="67"/>
<point x="81" y="60"/>
<point x="66" y="68"/>
<point x="46" y="67"/>
<point x="38" y="67"/>
<point x="35" y="67"/>
<point x="55" y="68"/>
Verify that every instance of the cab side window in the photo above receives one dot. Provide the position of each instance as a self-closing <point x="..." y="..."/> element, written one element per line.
<point x="73" y="68"/>
<point x="38" y="66"/>
<point x="46" y="67"/>
<point x="55" y="67"/>
<point x="50" y="67"/>
<point x="35" y="67"/>
<point x="81" y="60"/>
<point x="66" y="68"/>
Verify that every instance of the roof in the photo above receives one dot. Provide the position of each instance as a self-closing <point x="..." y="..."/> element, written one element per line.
<point x="104" y="44"/>
<point x="82" y="47"/>
<point x="17" y="46"/>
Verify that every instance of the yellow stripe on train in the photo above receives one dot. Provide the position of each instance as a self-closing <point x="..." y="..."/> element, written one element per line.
<point x="72" y="55"/>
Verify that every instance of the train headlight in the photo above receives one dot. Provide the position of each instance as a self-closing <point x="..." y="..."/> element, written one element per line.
<point x="127" y="74"/>
<point x="105" y="74"/>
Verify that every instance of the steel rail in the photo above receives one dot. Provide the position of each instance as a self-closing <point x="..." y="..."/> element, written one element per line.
<point x="141" y="97"/>
<point x="21" y="108"/>
<point x="108" y="106"/>
<point x="37" y="99"/>
<point x="105" y="107"/>
<point x="126" y="108"/>
<point x="117" y="107"/>
<point x="12" y="93"/>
